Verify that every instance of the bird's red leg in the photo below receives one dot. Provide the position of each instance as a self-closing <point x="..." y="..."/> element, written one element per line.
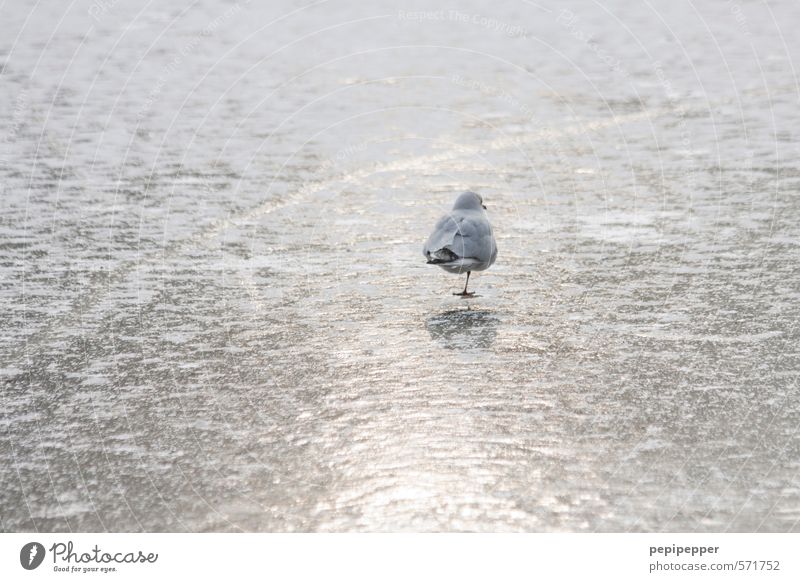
<point x="464" y="292"/>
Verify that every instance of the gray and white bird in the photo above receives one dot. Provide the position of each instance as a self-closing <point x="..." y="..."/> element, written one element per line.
<point x="462" y="240"/>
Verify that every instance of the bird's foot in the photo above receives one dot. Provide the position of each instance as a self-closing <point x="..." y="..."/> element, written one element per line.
<point x="465" y="295"/>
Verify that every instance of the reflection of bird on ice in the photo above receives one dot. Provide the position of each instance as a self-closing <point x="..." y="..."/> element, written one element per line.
<point x="462" y="240"/>
<point x="463" y="329"/>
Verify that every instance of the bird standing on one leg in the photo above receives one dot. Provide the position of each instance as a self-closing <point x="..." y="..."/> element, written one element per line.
<point x="462" y="241"/>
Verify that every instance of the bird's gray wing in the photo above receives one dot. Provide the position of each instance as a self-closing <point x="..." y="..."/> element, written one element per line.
<point x="442" y="236"/>
<point x="474" y="239"/>
<point x="464" y="234"/>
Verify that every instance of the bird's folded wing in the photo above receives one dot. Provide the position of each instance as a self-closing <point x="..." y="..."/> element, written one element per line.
<point x="441" y="237"/>
<point x="465" y="236"/>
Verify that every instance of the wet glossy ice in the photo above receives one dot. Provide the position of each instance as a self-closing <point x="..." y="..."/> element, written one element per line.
<point x="216" y="315"/>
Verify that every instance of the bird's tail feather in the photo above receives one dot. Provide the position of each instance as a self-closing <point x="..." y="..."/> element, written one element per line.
<point x="443" y="255"/>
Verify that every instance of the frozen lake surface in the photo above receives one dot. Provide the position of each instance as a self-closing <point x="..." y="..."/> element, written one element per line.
<point x="216" y="314"/>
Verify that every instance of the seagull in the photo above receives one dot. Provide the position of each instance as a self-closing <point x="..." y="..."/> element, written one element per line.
<point x="462" y="240"/>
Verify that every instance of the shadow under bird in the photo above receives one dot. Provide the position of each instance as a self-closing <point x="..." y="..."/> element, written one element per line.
<point x="462" y="240"/>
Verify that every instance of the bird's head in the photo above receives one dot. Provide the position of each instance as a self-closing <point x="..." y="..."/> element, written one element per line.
<point x="469" y="201"/>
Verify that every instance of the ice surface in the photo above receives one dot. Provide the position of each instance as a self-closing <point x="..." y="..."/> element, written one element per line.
<point x="216" y="317"/>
